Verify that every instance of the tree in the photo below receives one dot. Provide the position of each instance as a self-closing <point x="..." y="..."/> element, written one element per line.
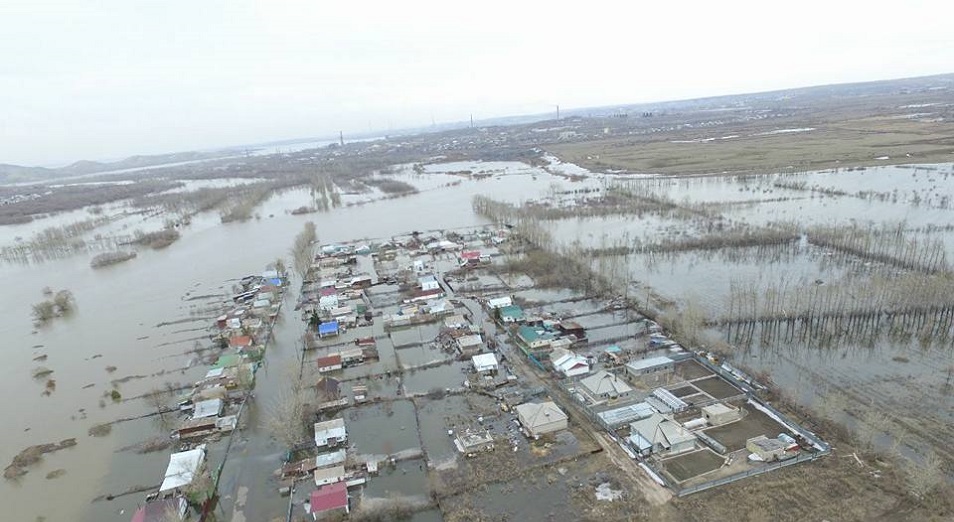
<point x="301" y="251"/>
<point x="285" y="418"/>
<point x="43" y="311"/>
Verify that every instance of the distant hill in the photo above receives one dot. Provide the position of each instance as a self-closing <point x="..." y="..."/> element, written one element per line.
<point x="17" y="174"/>
<point x="20" y="174"/>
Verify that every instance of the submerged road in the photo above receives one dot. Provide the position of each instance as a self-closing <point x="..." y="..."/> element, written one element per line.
<point x="248" y="487"/>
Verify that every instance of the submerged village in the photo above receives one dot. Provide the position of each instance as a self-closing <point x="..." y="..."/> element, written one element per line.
<point x="502" y="322"/>
<point x="530" y="382"/>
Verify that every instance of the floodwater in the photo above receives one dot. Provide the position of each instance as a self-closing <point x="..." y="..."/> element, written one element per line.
<point x="117" y="323"/>
<point x="144" y="316"/>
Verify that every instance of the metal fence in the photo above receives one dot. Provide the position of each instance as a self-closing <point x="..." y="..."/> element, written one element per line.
<point x="805" y="457"/>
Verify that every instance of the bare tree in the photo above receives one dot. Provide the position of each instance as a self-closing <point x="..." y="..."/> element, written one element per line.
<point x="285" y="418"/>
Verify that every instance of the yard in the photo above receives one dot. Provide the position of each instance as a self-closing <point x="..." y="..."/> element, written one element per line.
<point x="734" y="435"/>
<point x="717" y="387"/>
<point x="690" y="370"/>
<point x="689" y="465"/>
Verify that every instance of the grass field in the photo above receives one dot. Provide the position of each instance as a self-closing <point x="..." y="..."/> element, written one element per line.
<point x="855" y="133"/>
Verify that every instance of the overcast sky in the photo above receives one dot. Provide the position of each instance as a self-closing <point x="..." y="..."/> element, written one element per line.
<point x="100" y="80"/>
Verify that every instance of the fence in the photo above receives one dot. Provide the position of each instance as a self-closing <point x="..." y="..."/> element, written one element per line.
<point x="805" y="457"/>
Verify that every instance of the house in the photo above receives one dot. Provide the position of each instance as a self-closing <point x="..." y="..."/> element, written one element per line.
<point x="428" y="283"/>
<point x="456" y="321"/>
<point x="330" y="433"/>
<point x="485" y="363"/>
<point x="207" y="408"/>
<point x="329" y="387"/>
<point x="165" y="510"/>
<point x="328" y="329"/>
<point x="539" y="418"/>
<point x="328" y="299"/>
<point x="361" y="281"/>
<point x="499" y="302"/>
<point x="330" y="498"/>
<point x="472" y="442"/>
<point x="329" y="363"/>
<point x="570" y="364"/>
<point x="604" y="385"/>
<point x="469" y="344"/>
<point x="718" y="413"/>
<point x="652" y="365"/>
<point x="329" y="475"/>
<point x="325" y="460"/>
<point x="572" y="328"/>
<point x="182" y="469"/>
<point x="240" y="341"/>
<point x="351" y="356"/>
<point x="469" y="258"/>
<point x="663" y="434"/>
<point x="535" y="339"/>
<point x="511" y="314"/>
<point x="766" y="449"/>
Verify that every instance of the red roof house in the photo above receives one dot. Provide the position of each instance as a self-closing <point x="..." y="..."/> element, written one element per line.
<point x="240" y="341"/>
<point x="329" y="498"/>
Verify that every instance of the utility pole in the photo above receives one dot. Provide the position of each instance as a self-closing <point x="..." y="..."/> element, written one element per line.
<point x="341" y="137"/>
<point x="558" y="112"/>
<point x="471" y="121"/>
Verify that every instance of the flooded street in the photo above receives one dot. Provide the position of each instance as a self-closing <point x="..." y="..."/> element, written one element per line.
<point x="123" y="320"/>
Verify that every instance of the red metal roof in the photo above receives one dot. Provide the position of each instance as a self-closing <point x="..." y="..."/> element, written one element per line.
<point x="328" y="291"/>
<point x="331" y="496"/>
<point x="240" y="340"/>
<point x="329" y="360"/>
<point x="471" y="254"/>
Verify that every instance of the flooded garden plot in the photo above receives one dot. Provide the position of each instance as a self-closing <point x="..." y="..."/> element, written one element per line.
<point x="383" y="429"/>
<point x="444" y="377"/>
<point x="587" y="488"/>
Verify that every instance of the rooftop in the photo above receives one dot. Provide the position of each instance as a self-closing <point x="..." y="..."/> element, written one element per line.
<point x="652" y="362"/>
<point x="332" y="496"/>
<point x="604" y="382"/>
<point x="540" y="413"/>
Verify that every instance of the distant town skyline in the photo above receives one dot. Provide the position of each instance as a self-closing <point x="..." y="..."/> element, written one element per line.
<point x="127" y="78"/>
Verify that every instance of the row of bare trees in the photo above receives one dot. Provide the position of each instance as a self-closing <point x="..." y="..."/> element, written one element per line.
<point x="302" y="251"/>
<point x="890" y="244"/>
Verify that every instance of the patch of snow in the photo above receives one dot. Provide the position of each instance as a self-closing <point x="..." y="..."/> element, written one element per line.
<point x="785" y="131"/>
<point x="604" y="492"/>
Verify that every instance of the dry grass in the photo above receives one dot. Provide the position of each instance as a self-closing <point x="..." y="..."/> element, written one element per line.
<point x="857" y="140"/>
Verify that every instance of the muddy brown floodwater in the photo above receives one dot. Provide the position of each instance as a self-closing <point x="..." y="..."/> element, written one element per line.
<point x="138" y="317"/>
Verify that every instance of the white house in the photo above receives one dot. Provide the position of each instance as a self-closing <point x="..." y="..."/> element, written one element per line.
<point x="485" y="363"/>
<point x="652" y="365"/>
<point x="328" y="302"/>
<point x="571" y="365"/>
<point x="428" y="282"/>
<point x="539" y="418"/>
<point x="663" y="434"/>
<point x="605" y="385"/>
<point x="468" y="344"/>
<point x="499" y="302"/>
<point x="330" y="433"/>
<point x="329" y="475"/>
<point x="182" y="469"/>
